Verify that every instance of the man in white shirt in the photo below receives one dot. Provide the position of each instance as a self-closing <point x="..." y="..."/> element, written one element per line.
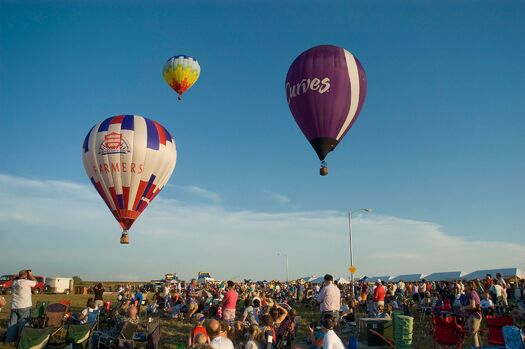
<point x="329" y="298"/>
<point x="20" y="304"/>
<point x="331" y="340"/>
<point x="218" y="337"/>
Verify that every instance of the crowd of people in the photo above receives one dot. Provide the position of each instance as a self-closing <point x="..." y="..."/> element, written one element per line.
<point x="263" y="315"/>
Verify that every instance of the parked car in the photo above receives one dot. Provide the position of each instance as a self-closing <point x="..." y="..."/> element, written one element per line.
<point x="6" y="281"/>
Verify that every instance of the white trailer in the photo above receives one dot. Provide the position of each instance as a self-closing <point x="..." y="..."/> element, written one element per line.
<point x="59" y="285"/>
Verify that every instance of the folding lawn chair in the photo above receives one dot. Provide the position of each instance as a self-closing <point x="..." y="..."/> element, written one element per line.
<point x="495" y="328"/>
<point x="55" y="318"/>
<point x="513" y="337"/>
<point x="55" y="314"/>
<point x="123" y="339"/>
<point x="447" y="332"/>
<point x="151" y="336"/>
<point x="34" y="338"/>
<point x="78" y="335"/>
<point x="38" y="314"/>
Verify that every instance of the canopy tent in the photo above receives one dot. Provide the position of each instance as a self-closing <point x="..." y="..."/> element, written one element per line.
<point x="505" y="272"/>
<point x="318" y="280"/>
<point x="444" y="276"/>
<point x="309" y="278"/>
<point x="342" y="281"/>
<point x="372" y="279"/>
<point x="408" y="277"/>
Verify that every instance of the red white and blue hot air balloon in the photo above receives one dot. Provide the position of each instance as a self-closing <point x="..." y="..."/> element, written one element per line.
<point x="325" y="90"/>
<point x="128" y="159"/>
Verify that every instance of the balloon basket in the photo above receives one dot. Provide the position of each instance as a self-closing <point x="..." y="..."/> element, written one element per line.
<point x="124" y="238"/>
<point x="180" y="98"/>
<point x="323" y="170"/>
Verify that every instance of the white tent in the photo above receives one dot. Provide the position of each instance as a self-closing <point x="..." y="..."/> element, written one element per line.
<point x="505" y="272"/>
<point x="408" y="277"/>
<point x="373" y="279"/>
<point x="444" y="276"/>
<point x="342" y="281"/>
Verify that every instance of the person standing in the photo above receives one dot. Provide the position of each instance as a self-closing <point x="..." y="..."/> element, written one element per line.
<point x="99" y="295"/>
<point x="473" y="313"/>
<point x="229" y="303"/>
<point x="21" y="304"/>
<point x="329" y="298"/>
<point x="379" y="294"/>
<point x="191" y="298"/>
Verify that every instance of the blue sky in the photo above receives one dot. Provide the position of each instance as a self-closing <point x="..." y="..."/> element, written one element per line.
<point x="439" y="143"/>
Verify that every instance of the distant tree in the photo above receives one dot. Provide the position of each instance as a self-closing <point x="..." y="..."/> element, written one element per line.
<point x="77" y="279"/>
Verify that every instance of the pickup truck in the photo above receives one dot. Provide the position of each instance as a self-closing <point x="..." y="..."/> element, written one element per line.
<point x="6" y="281"/>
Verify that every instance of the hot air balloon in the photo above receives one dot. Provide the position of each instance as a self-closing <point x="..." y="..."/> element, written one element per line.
<point x="325" y="90"/>
<point x="181" y="72"/>
<point x="128" y="159"/>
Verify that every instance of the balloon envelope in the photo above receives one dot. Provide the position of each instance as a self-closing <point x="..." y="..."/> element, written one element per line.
<point x="128" y="159"/>
<point x="325" y="90"/>
<point x="181" y="72"/>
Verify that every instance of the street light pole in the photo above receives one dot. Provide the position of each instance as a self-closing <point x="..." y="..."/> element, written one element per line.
<point x="368" y="210"/>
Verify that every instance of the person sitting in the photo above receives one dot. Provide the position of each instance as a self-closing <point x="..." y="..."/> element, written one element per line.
<point x="83" y="316"/>
<point x="381" y="313"/>
<point x="253" y="312"/>
<point x="200" y="341"/>
<point x="254" y="337"/>
<point x="268" y="329"/>
<point x="426" y="301"/>
<point x="348" y="312"/>
<point x="315" y="336"/>
<point x="331" y="340"/>
<point x="487" y="307"/>
<point x="218" y="336"/>
<point x="125" y="314"/>
<point x="198" y="329"/>
<point x="286" y="329"/>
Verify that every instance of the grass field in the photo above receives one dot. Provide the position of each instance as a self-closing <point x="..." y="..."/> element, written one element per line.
<point x="175" y="332"/>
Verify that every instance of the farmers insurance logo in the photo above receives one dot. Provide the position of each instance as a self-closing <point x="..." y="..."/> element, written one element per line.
<point x="114" y="143"/>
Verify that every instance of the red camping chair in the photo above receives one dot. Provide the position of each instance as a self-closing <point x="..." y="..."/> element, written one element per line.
<point x="447" y="332"/>
<point x="446" y="305"/>
<point x="495" y="328"/>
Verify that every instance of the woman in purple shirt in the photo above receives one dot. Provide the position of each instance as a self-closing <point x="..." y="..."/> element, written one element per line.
<point x="473" y="312"/>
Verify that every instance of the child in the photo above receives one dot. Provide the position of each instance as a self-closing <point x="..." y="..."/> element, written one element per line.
<point x="199" y="328"/>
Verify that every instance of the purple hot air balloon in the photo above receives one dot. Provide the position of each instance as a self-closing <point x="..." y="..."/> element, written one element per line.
<point x="325" y="90"/>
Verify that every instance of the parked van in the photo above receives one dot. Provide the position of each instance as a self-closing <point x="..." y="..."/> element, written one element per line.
<point x="59" y="285"/>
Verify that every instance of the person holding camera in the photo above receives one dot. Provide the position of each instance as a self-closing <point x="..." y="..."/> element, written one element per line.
<point x="20" y="304"/>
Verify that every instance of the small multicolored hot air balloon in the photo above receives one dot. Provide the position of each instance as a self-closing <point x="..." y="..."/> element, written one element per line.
<point x="325" y="90"/>
<point x="181" y="72"/>
<point x="128" y="159"/>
